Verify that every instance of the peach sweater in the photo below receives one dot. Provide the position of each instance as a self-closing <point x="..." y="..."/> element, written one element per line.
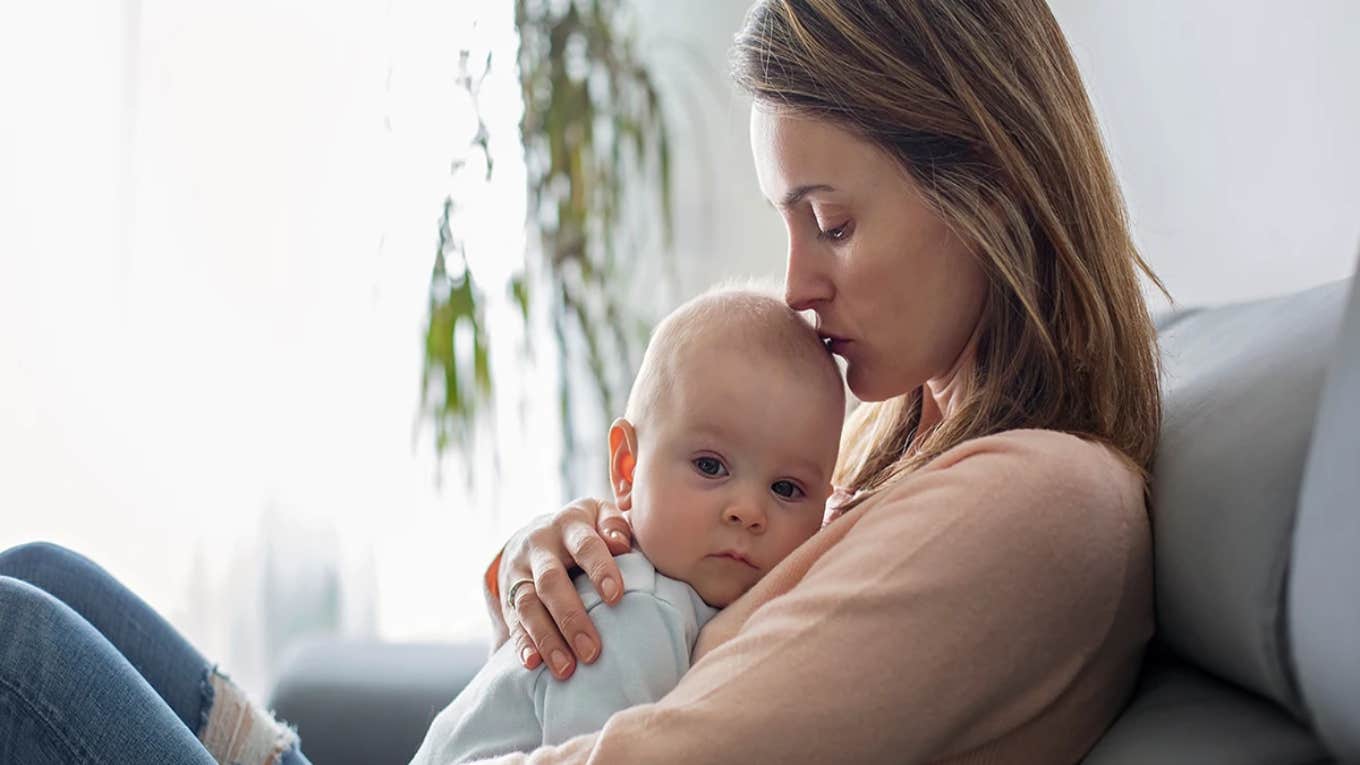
<point x="990" y="608"/>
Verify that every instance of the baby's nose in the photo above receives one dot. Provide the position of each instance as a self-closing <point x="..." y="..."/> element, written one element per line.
<point x="747" y="515"/>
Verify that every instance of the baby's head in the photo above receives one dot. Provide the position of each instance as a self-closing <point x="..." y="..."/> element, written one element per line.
<point x="724" y="457"/>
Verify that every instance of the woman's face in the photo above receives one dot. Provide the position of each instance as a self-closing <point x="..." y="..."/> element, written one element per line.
<point x="896" y="292"/>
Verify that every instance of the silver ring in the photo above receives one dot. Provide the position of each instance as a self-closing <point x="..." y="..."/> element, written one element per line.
<point x="514" y="588"/>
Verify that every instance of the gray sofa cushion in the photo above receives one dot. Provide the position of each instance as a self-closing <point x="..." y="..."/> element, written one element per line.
<point x="1181" y="716"/>
<point x="1241" y="385"/>
<point x="361" y="703"/>
<point x="1324" y="606"/>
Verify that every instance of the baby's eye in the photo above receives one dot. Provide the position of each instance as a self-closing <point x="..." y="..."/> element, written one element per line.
<point x="787" y="490"/>
<point x="710" y="466"/>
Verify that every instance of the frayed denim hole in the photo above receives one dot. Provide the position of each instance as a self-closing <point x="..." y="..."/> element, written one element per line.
<point x="206" y="696"/>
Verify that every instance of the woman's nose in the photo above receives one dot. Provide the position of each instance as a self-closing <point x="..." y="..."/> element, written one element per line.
<point x="805" y="285"/>
<point x="746" y="514"/>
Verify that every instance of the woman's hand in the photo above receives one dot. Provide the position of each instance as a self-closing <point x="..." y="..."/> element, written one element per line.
<point x="546" y="617"/>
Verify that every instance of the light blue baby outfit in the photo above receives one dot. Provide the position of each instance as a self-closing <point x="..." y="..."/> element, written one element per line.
<point x="648" y="636"/>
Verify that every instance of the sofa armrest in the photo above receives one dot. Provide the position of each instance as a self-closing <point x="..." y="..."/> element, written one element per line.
<point x="1324" y="584"/>
<point x="369" y="702"/>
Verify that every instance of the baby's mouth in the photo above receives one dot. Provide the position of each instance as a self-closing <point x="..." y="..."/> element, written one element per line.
<point x="735" y="556"/>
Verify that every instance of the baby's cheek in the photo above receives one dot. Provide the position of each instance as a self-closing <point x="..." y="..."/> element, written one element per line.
<point x="799" y="534"/>
<point x="643" y="536"/>
<point x="655" y="537"/>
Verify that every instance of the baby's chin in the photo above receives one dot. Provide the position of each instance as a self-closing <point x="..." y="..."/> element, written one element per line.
<point x="720" y="594"/>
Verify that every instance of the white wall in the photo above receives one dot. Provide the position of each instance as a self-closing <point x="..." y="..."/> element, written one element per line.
<point x="1234" y="125"/>
<point x="723" y="226"/>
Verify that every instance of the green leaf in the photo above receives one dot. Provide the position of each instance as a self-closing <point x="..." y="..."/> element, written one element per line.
<point x="592" y="145"/>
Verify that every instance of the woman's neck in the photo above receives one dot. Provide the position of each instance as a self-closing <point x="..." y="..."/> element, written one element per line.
<point x="941" y="396"/>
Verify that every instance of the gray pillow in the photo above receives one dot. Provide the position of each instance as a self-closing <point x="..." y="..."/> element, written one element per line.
<point x="1324" y="582"/>
<point x="1241" y="390"/>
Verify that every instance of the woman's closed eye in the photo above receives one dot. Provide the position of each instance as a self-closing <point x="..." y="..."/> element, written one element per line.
<point x="712" y="467"/>
<point x="836" y="234"/>
<point x="831" y="225"/>
<point x="787" y="489"/>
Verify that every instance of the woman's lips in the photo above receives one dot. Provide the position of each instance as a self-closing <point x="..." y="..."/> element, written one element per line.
<point x="834" y="343"/>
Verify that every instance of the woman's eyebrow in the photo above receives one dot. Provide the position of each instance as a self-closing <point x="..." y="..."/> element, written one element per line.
<point x="792" y="198"/>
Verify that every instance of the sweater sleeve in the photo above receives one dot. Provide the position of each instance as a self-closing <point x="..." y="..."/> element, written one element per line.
<point x="953" y="611"/>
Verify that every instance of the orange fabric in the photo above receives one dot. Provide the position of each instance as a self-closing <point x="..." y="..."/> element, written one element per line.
<point x="491" y="591"/>
<point x="992" y="607"/>
<point x="491" y="579"/>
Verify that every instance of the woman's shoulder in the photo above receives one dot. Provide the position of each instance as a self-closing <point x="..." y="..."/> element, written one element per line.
<point x="1047" y="465"/>
<point x="1034" y="488"/>
<point x="1043" y="447"/>
<point x="1018" y="513"/>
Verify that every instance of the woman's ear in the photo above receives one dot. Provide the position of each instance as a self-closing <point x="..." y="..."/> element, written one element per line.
<point x="622" y="461"/>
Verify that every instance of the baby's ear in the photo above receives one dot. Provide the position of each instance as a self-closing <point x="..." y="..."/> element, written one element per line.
<point x="622" y="461"/>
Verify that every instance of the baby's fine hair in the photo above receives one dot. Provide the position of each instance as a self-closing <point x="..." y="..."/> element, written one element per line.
<point x="745" y="317"/>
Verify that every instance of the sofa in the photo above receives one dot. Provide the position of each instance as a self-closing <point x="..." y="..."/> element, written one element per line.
<point x="1256" y="524"/>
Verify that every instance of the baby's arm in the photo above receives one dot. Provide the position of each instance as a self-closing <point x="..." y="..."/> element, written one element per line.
<point x="492" y="716"/>
<point x="646" y="653"/>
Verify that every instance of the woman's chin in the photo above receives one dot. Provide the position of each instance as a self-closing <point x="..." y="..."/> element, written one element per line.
<point x="865" y="387"/>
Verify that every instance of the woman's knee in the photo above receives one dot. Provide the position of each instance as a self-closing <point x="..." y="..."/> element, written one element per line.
<point x="37" y="630"/>
<point x="66" y="691"/>
<point x="20" y="598"/>
<point x="33" y="556"/>
<point x="64" y="574"/>
<point x="24" y="604"/>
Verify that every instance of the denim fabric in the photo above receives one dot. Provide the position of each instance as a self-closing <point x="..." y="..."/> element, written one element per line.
<point x="89" y="673"/>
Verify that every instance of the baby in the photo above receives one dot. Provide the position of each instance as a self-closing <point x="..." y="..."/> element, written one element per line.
<point x="723" y="465"/>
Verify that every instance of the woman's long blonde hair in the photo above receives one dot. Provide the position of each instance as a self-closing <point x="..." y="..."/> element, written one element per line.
<point x="981" y="102"/>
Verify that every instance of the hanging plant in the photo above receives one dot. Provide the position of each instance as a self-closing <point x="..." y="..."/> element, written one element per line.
<point x="597" y="153"/>
<point x="448" y="398"/>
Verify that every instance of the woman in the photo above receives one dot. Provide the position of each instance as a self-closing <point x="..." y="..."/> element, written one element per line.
<point x="983" y="594"/>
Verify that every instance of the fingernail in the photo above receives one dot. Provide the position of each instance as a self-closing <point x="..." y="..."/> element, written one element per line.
<point x="525" y="654"/>
<point x="559" y="662"/>
<point x="585" y="647"/>
<point x="610" y="587"/>
<point x="615" y="535"/>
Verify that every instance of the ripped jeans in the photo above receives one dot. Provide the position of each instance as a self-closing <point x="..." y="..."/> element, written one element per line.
<point x="89" y="673"/>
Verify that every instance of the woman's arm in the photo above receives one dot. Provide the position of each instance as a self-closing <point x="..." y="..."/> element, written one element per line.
<point x="548" y="617"/>
<point x="1001" y="586"/>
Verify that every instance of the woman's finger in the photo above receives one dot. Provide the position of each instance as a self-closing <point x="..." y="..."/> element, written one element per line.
<point x="524" y="648"/>
<point x="613" y="526"/>
<point x="542" y="609"/>
<point x="559" y="596"/>
<point x="595" y="559"/>
<point x="540" y="534"/>
<point x="543" y="636"/>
